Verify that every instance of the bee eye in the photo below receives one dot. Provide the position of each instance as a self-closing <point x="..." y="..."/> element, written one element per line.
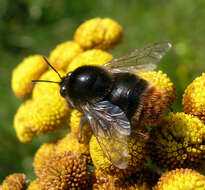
<point x="63" y="91"/>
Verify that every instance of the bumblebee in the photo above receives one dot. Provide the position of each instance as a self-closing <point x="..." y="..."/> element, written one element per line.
<point x="112" y="98"/>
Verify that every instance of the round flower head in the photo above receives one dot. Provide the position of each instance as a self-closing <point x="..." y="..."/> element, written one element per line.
<point x="178" y="142"/>
<point x="30" y="69"/>
<point x="138" y="152"/>
<point x="64" y="53"/>
<point x="71" y="143"/>
<point x="194" y="98"/>
<point x="42" y="155"/>
<point x="75" y="121"/>
<point x="182" y="179"/>
<point x="64" y="171"/>
<point x="22" y="126"/>
<point x="90" y="57"/>
<point x="35" y="185"/>
<point x="105" y="181"/>
<point x="46" y="88"/>
<point x="48" y="113"/>
<point x="15" y="182"/>
<point x="98" y="33"/>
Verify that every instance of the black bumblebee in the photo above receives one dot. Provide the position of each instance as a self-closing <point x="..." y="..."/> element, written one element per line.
<point x="112" y="97"/>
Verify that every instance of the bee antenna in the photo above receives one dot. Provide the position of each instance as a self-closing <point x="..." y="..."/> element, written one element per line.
<point x="33" y="81"/>
<point x="46" y="60"/>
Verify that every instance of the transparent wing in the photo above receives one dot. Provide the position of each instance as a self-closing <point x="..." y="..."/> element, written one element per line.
<point x="141" y="59"/>
<point x="111" y="129"/>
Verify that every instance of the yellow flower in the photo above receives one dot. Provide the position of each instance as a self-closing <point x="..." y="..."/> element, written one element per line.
<point x="48" y="113"/>
<point x="178" y="142"/>
<point x="63" y="54"/>
<point x="35" y="185"/>
<point x="138" y="152"/>
<point x="22" y="126"/>
<point x="90" y="57"/>
<point x="15" y="181"/>
<point x="30" y="69"/>
<point x="70" y="143"/>
<point x="45" y="88"/>
<point x="64" y="171"/>
<point x="98" y="33"/>
<point x="182" y="179"/>
<point x="194" y="98"/>
<point x="42" y="155"/>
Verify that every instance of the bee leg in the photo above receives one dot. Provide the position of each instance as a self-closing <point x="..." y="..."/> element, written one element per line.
<point x="83" y="121"/>
<point x="142" y="134"/>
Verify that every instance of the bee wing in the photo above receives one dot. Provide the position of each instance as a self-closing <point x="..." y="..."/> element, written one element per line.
<point x="141" y="59"/>
<point x="111" y="129"/>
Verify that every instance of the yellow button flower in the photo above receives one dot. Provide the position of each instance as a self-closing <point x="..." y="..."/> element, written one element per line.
<point x="15" y="181"/>
<point x="31" y="68"/>
<point x="98" y="33"/>
<point x="35" y="185"/>
<point x="178" y="141"/>
<point x="194" y="98"/>
<point x="90" y="57"/>
<point x="63" y="54"/>
<point x="64" y="171"/>
<point x="183" y="179"/>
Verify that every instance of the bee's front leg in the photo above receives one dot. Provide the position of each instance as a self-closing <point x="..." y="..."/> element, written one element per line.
<point x="83" y="122"/>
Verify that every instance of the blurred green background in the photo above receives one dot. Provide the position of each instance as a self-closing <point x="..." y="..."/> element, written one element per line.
<point x="36" y="26"/>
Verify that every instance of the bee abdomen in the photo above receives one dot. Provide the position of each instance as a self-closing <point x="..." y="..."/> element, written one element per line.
<point x="152" y="106"/>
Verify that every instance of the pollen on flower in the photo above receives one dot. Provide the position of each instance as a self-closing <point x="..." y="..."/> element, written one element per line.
<point x="63" y="54"/>
<point x="90" y="57"/>
<point x="24" y="131"/>
<point x="194" y="98"/>
<point x="178" y="142"/>
<point x="15" y="181"/>
<point x="98" y="33"/>
<point x="64" y="171"/>
<point x="138" y="152"/>
<point x="182" y="179"/>
<point x="31" y="68"/>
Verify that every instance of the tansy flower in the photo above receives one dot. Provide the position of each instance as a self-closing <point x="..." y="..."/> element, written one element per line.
<point x="178" y="142"/>
<point x="90" y="57"/>
<point x="98" y="33"/>
<point x="72" y="144"/>
<point x="47" y="88"/>
<point x="64" y="171"/>
<point x="63" y="54"/>
<point x="48" y="113"/>
<point x="182" y="179"/>
<point x="194" y="98"/>
<point x="45" y="151"/>
<point x="14" y="182"/>
<point x="31" y="68"/>
<point x="24" y="131"/>
<point x="138" y="152"/>
<point x="35" y="185"/>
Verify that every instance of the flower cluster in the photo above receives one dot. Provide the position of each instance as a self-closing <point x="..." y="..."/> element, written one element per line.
<point x="77" y="161"/>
